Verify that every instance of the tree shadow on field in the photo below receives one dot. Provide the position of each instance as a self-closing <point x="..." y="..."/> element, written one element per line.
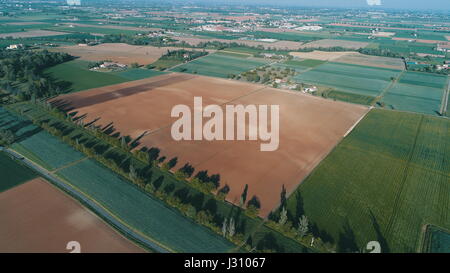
<point x="347" y="241"/>
<point x="380" y="238"/>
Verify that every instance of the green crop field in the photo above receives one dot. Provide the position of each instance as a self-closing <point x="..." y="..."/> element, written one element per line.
<point x="13" y="173"/>
<point x="424" y="79"/>
<point x="436" y="240"/>
<point x="416" y="92"/>
<point x="362" y="80"/>
<point x="142" y="212"/>
<point x="304" y="63"/>
<point x="36" y="144"/>
<point x="71" y="72"/>
<point x="220" y="65"/>
<point x="47" y="150"/>
<point x="69" y="75"/>
<point x="383" y="182"/>
<point x="350" y="97"/>
<point x="138" y="73"/>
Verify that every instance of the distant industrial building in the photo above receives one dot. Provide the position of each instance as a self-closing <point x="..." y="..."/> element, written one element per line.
<point x="74" y="2"/>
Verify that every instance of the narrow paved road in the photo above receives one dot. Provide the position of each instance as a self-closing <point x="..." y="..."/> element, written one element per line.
<point x="90" y="203"/>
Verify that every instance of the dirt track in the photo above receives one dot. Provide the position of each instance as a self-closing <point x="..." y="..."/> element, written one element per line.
<point x="309" y="128"/>
<point x="36" y="217"/>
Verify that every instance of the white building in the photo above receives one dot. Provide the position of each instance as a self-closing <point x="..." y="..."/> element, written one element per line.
<point x="14" y="46"/>
<point x="309" y="28"/>
<point x="74" y="2"/>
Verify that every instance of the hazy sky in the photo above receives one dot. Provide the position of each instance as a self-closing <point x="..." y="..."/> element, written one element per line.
<point x="397" y="4"/>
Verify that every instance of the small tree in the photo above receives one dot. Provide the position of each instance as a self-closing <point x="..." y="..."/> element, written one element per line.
<point x="231" y="228"/>
<point x="224" y="227"/>
<point x="283" y="217"/>
<point x="303" y="226"/>
<point x="133" y="173"/>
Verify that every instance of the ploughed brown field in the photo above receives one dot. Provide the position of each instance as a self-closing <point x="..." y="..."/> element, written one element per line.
<point x="117" y="52"/>
<point x="36" y="217"/>
<point x="309" y="129"/>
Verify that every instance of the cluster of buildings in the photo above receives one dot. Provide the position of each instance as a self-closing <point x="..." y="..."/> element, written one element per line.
<point x="15" y="46"/>
<point x="74" y="2"/>
<point x="220" y="28"/>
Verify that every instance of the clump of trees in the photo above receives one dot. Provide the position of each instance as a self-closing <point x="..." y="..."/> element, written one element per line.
<point x="21" y="72"/>
<point x="7" y="137"/>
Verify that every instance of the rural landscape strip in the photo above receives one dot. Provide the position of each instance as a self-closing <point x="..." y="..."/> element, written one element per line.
<point x="108" y="216"/>
<point x="188" y="184"/>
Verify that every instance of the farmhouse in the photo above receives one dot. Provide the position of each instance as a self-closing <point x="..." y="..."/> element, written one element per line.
<point x="112" y="65"/>
<point x="443" y="47"/>
<point x="17" y="46"/>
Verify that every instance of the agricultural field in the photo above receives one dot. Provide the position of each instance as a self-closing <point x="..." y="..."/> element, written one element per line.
<point x="350" y="97"/>
<point x="362" y="80"/>
<point x="47" y="151"/>
<point x="142" y="212"/>
<point x="13" y="173"/>
<point x="68" y="74"/>
<point x="375" y="61"/>
<point x="424" y="79"/>
<point x="320" y="55"/>
<point x="436" y="240"/>
<point x="326" y="43"/>
<point x="385" y="181"/>
<point x="36" y="144"/>
<point x="174" y="188"/>
<point x="31" y="34"/>
<point x="90" y="178"/>
<point x="281" y="45"/>
<point x="236" y="162"/>
<point x="221" y="65"/>
<point x="36" y="217"/>
<point x="416" y="92"/>
<point x="117" y="52"/>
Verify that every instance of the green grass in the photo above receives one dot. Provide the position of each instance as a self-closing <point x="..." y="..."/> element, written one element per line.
<point x="305" y="63"/>
<point x="436" y="240"/>
<point x="361" y="80"/>
<point x="424" y="79"/>
<point x="146" y="214"/>
<point x="383" y="182"/>
<point x="220" y="65"/>
<point x="75" y="76"/>
<point x="350" y="97"/>
<point x="47" y="150"/>
<point x="413" y="98"/>
<point x="138" y="73"/>
<point x="78" y="77"/>
<point x="13" y="173"/>
<point x="166" y="64"/>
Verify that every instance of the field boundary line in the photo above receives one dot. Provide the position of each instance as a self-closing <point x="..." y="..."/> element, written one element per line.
<point x="69" y="165"/>
<point x="390" y="85"/>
